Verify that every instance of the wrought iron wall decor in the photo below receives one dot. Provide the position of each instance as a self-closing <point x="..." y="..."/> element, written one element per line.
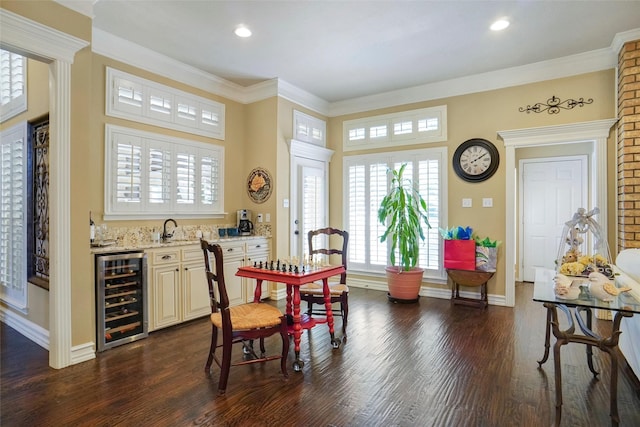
<point x="554" y="105"/>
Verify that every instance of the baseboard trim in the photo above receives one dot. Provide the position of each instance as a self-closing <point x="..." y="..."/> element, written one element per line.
<point x="25" y="327"/>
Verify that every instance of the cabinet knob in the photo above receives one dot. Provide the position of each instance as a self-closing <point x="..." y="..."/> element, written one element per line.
<point x="230" y="250"/>
<point x="177" y="269"/>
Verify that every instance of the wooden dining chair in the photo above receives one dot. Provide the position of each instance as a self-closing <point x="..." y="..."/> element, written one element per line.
<point x="320" y="244"/>
<point x="239" y="324"/>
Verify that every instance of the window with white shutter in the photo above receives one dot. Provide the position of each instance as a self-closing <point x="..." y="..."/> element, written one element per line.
<point x="13" y="84"/>
<point x="151" y="175"/>
<point x="396" y="129"/>
<point x="133" y="98"/>
<point x="367" y="182"/>
<point x="13" y="207"/>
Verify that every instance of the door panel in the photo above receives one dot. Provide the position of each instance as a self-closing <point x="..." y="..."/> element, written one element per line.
<point x="552" y="190"/>
<point x="309" y="208"/>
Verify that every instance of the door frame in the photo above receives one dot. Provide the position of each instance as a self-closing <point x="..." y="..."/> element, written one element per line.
<point x="584" y="165"/>
<point x="58" y="49"/>
<point x="596" y="132"/>
<point x="300" y="152"/>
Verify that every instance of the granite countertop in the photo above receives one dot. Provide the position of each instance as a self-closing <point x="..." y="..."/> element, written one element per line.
<point x="141" y="246"/>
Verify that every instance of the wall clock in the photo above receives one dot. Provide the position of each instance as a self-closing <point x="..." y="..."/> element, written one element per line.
<point x="476" y="160"/>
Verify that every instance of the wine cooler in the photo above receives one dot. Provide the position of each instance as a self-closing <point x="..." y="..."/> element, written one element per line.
<point x="121" y="287"/>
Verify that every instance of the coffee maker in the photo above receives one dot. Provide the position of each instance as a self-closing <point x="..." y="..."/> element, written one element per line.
<point x="245" y="226"/>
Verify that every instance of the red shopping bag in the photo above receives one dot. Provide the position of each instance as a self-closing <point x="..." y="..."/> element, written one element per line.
<point x="460" y="254"/>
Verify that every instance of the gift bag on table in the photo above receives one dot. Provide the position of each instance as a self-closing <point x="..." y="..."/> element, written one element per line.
<point x="460" y="254"/>
<point x="486" y="258"/>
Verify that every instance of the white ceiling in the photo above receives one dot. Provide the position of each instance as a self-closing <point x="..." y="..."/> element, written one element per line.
<point x="339" y="50"/>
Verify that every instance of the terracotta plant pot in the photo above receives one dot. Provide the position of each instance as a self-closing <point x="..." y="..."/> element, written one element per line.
<point x="404" y="286"/>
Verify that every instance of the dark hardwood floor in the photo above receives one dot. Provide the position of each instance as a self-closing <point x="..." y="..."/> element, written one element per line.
<point x="425" y="364"/>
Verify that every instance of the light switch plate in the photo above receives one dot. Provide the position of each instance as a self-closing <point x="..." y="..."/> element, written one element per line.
<point x="467" y="203"/>
<point x="487" y="202"/>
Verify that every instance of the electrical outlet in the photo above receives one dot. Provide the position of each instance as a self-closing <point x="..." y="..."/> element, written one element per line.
<point x="267" y="217"/>
<point x="467" y="203"/>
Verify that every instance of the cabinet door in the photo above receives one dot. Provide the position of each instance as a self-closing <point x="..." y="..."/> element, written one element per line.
<point x="250" y="284"/>
<point x="195" y="296"/>
<point x="165" y="296"/>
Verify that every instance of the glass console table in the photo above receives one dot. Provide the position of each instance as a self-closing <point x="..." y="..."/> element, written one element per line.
<point x="624" y="305"/>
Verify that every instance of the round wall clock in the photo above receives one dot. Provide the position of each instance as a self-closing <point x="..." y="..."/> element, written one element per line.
<point x="476" y="160"/>
<point x="259" y="185"/>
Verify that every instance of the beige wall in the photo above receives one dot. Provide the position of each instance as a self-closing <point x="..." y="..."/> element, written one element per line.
<point x="482" y="115"/>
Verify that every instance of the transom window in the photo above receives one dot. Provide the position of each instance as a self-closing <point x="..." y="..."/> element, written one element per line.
<point x="134" y="98"/>
<point x="391" y="130"/>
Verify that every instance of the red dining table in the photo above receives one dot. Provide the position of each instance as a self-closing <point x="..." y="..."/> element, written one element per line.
<point x="293" y="281"/>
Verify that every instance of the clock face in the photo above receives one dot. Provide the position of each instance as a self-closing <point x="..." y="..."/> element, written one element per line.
<point x="476" y="160"/>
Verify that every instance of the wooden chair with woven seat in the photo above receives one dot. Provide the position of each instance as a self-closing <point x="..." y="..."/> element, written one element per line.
<point x="239" y="324"/>
<point x="312" y="292"/>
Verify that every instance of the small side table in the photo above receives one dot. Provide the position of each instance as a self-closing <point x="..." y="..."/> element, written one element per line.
<point x="469" y="278"/>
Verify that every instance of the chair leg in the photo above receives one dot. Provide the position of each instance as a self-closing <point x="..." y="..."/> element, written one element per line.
<point x="225" y="366"/>
<point x="284" y="334"/>
<point x="344" y="305"/>
<point x="263" y="351"/>
<point x="212" y="348"/>
<point x="309" y="307"/>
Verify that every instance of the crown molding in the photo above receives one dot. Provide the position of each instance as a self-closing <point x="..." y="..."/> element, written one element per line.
<point x="127" y="52"/>
<point x="37" y="41"/>
<point x="122" y="50"/>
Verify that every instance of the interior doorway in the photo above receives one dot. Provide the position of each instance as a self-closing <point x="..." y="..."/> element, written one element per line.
<point x="595" y="134"/>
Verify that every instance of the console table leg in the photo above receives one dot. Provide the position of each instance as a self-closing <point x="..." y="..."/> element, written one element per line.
<point x="547" y="337"/>
<point x="558" y="379"/>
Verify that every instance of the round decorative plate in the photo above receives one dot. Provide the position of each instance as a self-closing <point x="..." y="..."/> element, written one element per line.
<point x="259" y="185"/>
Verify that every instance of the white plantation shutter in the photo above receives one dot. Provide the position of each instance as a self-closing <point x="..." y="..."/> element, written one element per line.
<point x="13" y="199"/>
<point x="429" y="185"/>
<point x="159" y="176"/>
<point x="357" y="207"/>
<point x="185" y="178"/>
<point x="210" y="181"/>
<point x="152" y="176"/>
<point x="377" y="190"/>
<point x="13" y="84"/>
<point x="312" y="204"/>
<point x="367" y="183"/>
<point x="128" y="170"/>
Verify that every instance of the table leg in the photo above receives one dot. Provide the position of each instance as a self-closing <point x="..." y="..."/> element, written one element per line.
<point x="257" y="294"/>
<point x="547" y="337"/>
<point x="335" y="343"/>
<point x="589" y="347"/>
<point x="297" y="329"/>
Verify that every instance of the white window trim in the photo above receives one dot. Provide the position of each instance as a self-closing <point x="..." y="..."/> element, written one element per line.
<point x="435" y="275"/>
<point x="147" y="210"/>
<point x="18" y="104"/>
<point x="170" y="120"/>
<point x="414" y="137"/>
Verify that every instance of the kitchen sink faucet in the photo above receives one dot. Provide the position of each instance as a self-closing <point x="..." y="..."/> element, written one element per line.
<point x="166" y="236"/>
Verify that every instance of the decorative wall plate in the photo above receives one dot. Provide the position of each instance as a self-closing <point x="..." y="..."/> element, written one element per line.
<point x="259" y="185"/>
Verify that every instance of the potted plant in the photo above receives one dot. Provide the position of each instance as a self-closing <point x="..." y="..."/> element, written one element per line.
<point x="403" y="211"/>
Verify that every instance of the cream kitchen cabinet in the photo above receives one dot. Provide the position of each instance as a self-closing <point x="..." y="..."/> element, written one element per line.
<point x="177" y="287"/>
<point x="238" y="253"/>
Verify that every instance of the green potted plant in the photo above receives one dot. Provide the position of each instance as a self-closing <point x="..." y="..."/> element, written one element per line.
<point x="403" y="211"/>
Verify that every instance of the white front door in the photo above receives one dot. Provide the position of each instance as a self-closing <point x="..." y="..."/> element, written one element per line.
<point x="309" y="207"/>
<point x="552" y="190"/>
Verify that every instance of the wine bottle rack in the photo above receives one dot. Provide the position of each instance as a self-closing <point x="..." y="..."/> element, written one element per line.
<point x="121" y="287"/>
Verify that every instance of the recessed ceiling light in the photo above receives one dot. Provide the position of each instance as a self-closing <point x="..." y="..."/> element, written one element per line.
<point x="242" y="31"/>
<point x="500" y="24"/>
